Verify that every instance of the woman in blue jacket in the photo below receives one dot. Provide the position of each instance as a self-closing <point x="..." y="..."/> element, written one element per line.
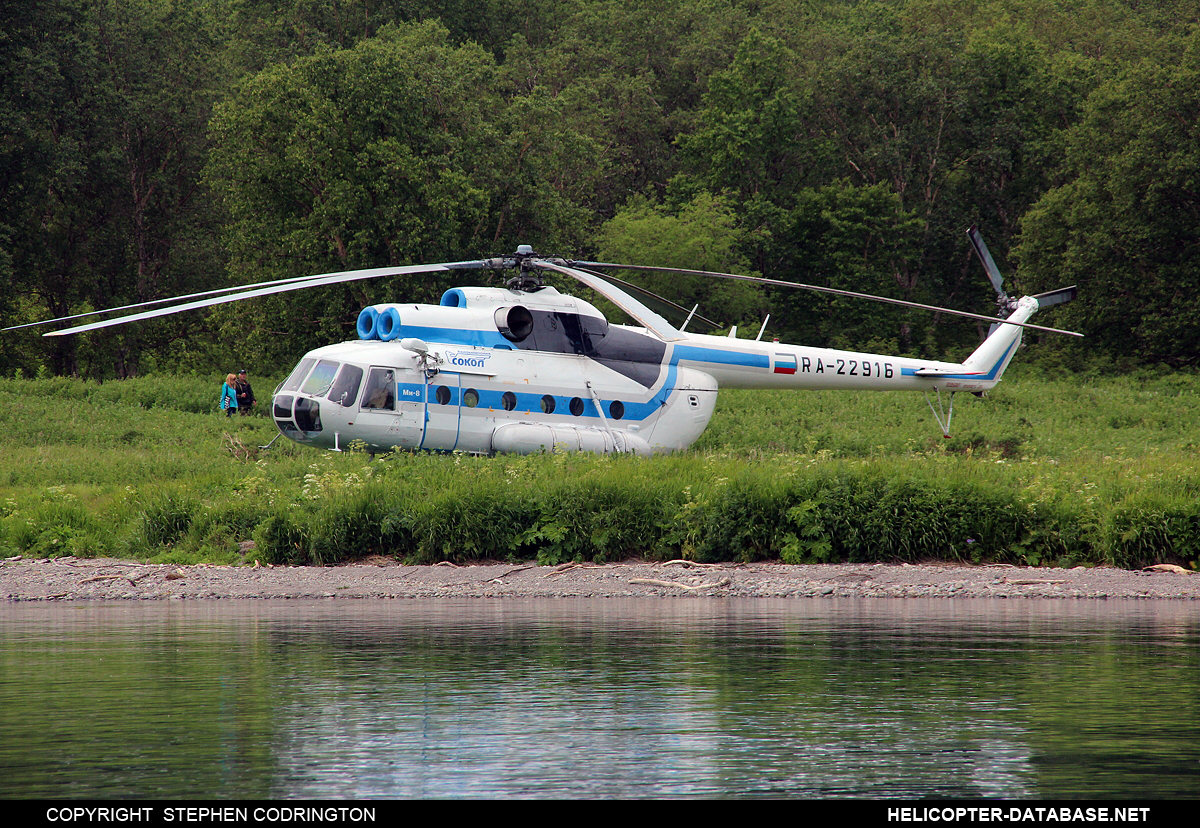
<point x="229" y="396"/>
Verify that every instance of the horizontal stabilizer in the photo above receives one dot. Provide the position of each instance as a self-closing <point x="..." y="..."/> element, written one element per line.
<point x="937" y="372"/>
<point x="1055" y="297"/>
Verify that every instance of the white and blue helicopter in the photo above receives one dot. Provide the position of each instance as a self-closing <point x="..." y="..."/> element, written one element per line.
<point x="526" y="368"/>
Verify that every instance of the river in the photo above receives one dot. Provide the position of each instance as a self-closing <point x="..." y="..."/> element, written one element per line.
<point x="600" y="698"/>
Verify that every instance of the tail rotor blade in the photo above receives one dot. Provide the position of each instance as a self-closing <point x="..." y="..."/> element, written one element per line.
<point x="1055" y="297"/>
<point x="989" y="264"/>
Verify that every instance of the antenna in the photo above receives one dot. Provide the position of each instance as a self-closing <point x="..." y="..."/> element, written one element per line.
<point x="689" y="317"/>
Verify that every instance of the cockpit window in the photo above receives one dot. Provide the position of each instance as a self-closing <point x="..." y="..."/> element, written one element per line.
<point x="345" y="388"/>
<point x="297" y="376"/>
<point x="381" y="389"/>
<point x="321" y="378"/>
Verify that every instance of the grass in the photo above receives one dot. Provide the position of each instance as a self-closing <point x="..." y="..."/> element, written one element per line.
<point x="1046" y="470"/>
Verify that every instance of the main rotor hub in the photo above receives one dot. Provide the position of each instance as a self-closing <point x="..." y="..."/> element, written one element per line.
<point x="529" y="277"/>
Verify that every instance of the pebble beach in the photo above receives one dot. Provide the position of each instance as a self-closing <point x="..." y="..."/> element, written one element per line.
<point x="78" y="579"/>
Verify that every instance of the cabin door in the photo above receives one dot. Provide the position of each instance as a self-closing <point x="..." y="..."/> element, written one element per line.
<point x="391" y="414"/>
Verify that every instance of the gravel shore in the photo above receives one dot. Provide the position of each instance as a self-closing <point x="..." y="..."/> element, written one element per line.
<point x="76" y="579"/>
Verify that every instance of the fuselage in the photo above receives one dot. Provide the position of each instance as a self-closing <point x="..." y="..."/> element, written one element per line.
<point x="497" y="370"/>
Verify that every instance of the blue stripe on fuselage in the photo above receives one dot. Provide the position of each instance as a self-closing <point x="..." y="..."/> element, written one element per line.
<point x="977" y="375"/>
<point x="716" y="356"/>
<point x="531" y="402"/>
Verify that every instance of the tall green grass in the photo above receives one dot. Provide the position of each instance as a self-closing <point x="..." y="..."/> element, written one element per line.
<point x="1044" y="471"/>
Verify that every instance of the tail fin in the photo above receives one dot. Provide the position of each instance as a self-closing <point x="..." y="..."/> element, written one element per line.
<point x="991" y="358"/>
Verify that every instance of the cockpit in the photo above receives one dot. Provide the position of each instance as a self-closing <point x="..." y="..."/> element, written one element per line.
<point x="297" y="403"/>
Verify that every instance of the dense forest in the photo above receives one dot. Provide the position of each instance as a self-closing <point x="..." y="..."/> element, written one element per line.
<point x="150" y="148"/>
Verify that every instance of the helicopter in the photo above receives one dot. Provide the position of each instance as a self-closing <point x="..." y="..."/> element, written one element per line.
<point x="526" y="368"/>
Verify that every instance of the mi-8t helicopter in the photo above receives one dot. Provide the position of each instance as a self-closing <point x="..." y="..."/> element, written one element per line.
<point x="527" y="368"/>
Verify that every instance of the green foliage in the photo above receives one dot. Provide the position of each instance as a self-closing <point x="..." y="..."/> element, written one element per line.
<point x="599" y="518"/>
<point x="359" y="157"/>
<point x="53" y="524"/>
<point x="848" y="237"/>
<point x="1146" y="531"/>
<point x="111" y="101"/>
<point x="165" y="521"/>
<point x="1124" y="226"/>
<point x="1042" y="477"/>
<point x="746" y="137"/>
<point x="809" y="542"/>
<point x="699" y="235"/>
<point x="847" y="144"/>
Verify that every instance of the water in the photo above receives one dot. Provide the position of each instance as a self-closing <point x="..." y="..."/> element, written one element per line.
<point x="639" y="698"/>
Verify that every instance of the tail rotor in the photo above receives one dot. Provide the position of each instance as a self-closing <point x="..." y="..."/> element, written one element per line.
<point x="1005" y="304"/>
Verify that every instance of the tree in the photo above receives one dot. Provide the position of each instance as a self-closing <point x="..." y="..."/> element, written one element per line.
<point x="701" y="235"/>
<point x="1126" y="225"/>
<point x="852" y="238"/>
<point x="111" y="102"/>
<point x="354" y="158"/>
<point x="627" y="75"/>
<point x="751" y="139"/>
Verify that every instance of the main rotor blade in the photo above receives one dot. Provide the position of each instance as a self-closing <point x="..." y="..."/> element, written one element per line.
<point x="835" y="291"/>
<point x="301" y="283"/>
<point x="215" y="292"/>
<point x="655" y="302"/>
<point x="645" y="317"/>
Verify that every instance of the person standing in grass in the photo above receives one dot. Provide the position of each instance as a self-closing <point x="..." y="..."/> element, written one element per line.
<point x="229" y="402"/>
<point x="245" y="394"/>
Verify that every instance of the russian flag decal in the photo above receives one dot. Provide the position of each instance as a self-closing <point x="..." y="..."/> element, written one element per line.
<point x="785" y="364"/>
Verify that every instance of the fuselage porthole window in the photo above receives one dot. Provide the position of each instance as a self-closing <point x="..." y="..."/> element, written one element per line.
<point x="443" y="394"/>
<point x="508" y="400"/>
<point x="616" y="409"/>
<point x="547" y="404"/>
<point x="577" y="406"/>
<point x="470" y="398"/>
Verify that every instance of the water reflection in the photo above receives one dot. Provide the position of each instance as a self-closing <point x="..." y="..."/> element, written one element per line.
<point x="600" y="698"/>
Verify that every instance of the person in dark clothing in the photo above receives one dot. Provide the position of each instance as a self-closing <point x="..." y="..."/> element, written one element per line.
<point x="245" y="394"/>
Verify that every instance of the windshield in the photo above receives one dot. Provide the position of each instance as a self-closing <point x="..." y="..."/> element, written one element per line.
<point x="321" y="378"/>
<point x="297" y="376"/>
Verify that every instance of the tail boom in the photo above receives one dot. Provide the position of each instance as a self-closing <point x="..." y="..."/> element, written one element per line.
<point x="739" y="363"/>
